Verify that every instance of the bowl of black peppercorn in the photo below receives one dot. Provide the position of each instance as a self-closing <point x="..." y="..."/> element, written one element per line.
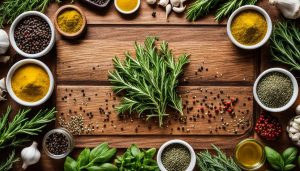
<point x="32" y="34"/>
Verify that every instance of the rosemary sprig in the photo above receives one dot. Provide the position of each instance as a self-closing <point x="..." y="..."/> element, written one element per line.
<point x="8" y="163"/>
<point x="206" y="161"/>
<point x="224" y="8"/>
<point x="10" y="9"/>
<point x="285" y="44"/>
<point x="149" y="81"/>
<point x="21" y="125"/>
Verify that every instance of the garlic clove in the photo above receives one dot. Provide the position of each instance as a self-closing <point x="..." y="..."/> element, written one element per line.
<point x="297" y="110"/>
<point x="296" y="137"/>
<point x="4" y="42"/>
<point x="179" y="9"/>
<point x="4" y="59"/>
<point x="163" y="3"/>
<point x="175" y="3"/>
<point x="30" y="155"/>
<point x="293" y="130"/>
<point x="289" y="8"/>
<point x="151" y="2"/>
<point x="168" y="10"/>
<point x="296" y="126"/>
<point x="2" y="84"/>
<point x="297" y="120"/>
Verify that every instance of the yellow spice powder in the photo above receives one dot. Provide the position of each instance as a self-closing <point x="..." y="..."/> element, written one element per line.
<point x="249" y="27"/>
<point x="127" y="5"/>
<point x="70" y="21"/>
<point x="30" y="83"/>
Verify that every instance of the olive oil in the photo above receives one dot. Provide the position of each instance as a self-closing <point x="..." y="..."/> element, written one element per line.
<point x="249" y="154"/>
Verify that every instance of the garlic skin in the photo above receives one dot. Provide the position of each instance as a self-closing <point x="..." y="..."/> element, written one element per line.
<point x="4" y="59"/>
<point x="163" y="3"/>
<point x="168" y="10"/>
<point x="289" y="8"/>
<point x="4" y="42"/>
<point x="175" y="3"/>
<point x="179" y="9"/>
<point x="30" y="155"/>
<point x="151" y="2"/>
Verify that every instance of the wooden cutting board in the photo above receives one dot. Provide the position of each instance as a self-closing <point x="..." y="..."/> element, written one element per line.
<point x="84" y="97"/>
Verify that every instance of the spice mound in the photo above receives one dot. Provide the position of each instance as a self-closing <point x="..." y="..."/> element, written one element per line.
<point x="30" y="83"/>
<point x="275" y="89"/>
<point x="176" y="157"/>
<point x="32" y="34"/>
<point x="57" y="143"/>
<point x="127" y="5"/>
<point x="268" y="127"/>
<point x="99" y="2"/>
<point x="70" y="21"/>
<point x="249" y="27"/>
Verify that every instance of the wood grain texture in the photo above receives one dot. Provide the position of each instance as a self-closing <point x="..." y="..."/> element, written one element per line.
<point x="90" y="60"/>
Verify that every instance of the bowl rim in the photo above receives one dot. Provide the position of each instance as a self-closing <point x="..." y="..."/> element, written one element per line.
<point x="176" y="141"/>
<point x="127" y="12"/>
<point x="63" y="8"/>
<point x="295" y="90"/>
<point x="12" y="38"/>
<point x="262" y="12"/>
<point x="17" y="66"/>
<point x="95" y="4"/>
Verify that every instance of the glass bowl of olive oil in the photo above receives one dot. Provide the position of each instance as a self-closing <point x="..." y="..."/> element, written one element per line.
<point x="249" y="154"/>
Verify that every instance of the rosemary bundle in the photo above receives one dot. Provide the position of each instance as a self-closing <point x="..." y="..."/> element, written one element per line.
<point x="149" y="81"/>
<point x="10" y="9"/>
<point x="206" y="161"/>
<point x="224" y="8"/>
<point x="285" y="44"/>
<point x="8" y="163"/>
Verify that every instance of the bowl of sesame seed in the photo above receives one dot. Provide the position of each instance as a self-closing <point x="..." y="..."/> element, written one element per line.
<point x="275" y="90"/>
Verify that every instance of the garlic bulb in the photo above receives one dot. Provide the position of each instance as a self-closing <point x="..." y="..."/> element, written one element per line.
<point x="163" y="3"/>
<point x="175" y="3"/>
<point x="289" y="8"/>
<point x="4" y="42"/>
<point x="293" y="130"/>
<point x="2" y="89"/>
<point x="297" y="110"/>
<point x="30" y="155"/>
<point x="168" y="10"/>
<point x="151" y="2"/>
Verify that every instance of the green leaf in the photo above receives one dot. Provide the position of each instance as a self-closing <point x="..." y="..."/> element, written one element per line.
<point x="289" y="167"/>
<point x="103" y="167"/>
<point x="97" y="151"/>
<point x="150" y="153"/>
<point x="274" y="158"/>
<point x="106" y="156"/>
<point x="83" y="158"/>
<point x="289" y="155"/>
<point x="70" y="164"/>
<point x="135" y="151"/>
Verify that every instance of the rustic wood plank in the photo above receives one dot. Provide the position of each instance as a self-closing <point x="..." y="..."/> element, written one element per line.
<point x="144" y="15"/>
<point x="203" y="107"/>
<point x="92" y="59"/>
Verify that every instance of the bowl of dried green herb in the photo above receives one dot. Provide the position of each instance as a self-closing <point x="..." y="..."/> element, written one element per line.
<point x="275" y="90"/>
<point x="176" y="155"/>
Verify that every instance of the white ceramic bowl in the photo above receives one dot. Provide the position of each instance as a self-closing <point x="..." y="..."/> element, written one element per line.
<point x="192" y="152"/>
<point x="293" y="98"/>
<point x="261" y="11"/>
<point x="128" y="12"/>
<point x="11" y="73"/>
<point x="12" y="38"/>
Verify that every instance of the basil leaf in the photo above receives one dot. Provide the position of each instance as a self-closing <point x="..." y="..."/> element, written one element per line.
<point x="70" y="164"/>
<point x="274" y="158"/>
<point x="289" y="155"/>
<point x="149" y="154"/>
<point x="135" y="151"/>
<point x="83" y="158"/>
<point x="289" y="167"/>
<point x="103" y="167"/>
<point x="105" y="157"/>
<point x="102" y="148"/>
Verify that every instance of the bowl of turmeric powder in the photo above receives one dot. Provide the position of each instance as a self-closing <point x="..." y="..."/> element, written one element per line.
<point x="249" y="27"/>
<point x="30" y="82"/>
<point x="70" y="21"/>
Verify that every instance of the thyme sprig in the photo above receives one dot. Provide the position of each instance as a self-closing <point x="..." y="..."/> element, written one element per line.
<point x="285" y="44"/>
<point x="220" y="161"/>
<point x="21" y="125"/>
<point x="224" y="8"/>
<point x="149" y="81"/>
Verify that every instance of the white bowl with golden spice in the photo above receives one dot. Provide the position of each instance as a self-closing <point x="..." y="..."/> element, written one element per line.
<point x="11" y="92"/>
<point x="259" y="10"/>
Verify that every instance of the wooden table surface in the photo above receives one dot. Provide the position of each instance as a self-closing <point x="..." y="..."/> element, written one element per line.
<point x="83" y="64"/>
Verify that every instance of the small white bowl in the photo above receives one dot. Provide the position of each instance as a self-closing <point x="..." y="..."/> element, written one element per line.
<point x="166" y="144"/>
<point x="293" y="98"/>
<point x="11" y="73"/>
<point x="128" y="12"/>
<point x="261" y="11"/>
<point x="12" y="32"/>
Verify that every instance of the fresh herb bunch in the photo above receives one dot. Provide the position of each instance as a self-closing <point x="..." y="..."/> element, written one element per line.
<point x="149" y="81"/>
<point x="206" y="161"/>
<point x="284" y="161"/>
<point x="10" y="9"/>
<point x="285" y="43"/>
<point x="224" y="8"/>
<point x="21" y="125"/>
<point x="135" y="159"/>
<point x="8" y="163"/>
<point x="96" y="159"/>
